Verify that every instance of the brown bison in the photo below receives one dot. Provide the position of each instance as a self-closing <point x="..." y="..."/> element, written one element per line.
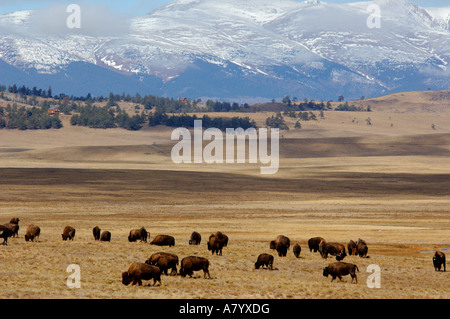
<point x="334" y="249"/>
<point x="164" y="261"/>
<point x="313" y="243"/>
<point x="163" y="240"/>
<point x="216" y="242"/>
<point x="264" y="260"/>
<point x="140" y="271"/>
<point x="33" y="232"/>
<point x="105" y="236"/>
<point x="361" y="248"/>
<point x="5" y="232"/>
<point x="281" y="244"/>
<point x="96" y="232"/>
<point x="439" y="261"/>
<point x="339" y="269"/>
<point x="351" y="248"/>
<point x="296" y="249"/>
<point x="194" y="263"/>
<point x="215" y="245"/>
<point x="195" y="239"/>
<point x="13" y="225"/>
<point x="68" y="233"/>
<point x="138" y="234"/>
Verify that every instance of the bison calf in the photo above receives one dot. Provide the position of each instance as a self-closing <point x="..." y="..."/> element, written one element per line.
<point x="339" y="269"/>
<point x="264" y="260"/>
<point x="68" y="233"/>
<point x="194" y="263"/>
<point x="296" y="249"/>
<point x="140" y="271"/>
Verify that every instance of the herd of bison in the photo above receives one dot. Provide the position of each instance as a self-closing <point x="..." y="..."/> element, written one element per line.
<point x="161" y="262"/>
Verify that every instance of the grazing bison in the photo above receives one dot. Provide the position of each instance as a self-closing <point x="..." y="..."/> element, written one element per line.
<point x="339" y="269"/>
<point x="163" y="240"/>
<point x="281" y="244"/>
<point x="439" y="260"/>
<point x="194" y="263"/>
<point x="140" y="271"/>
<point x="5" y="232"/>
<point x="138" y="234"/>
<point x="164" y="261"/>
<point x="195" y="239"/>
<point x="105" y="236"/>
<point x="33" y="232"/>
<point x="264" y="260"/>
<point x="313" y="243"/>
<point x="13" y="225"/>
<point x="361" y="248"/>
<point x="296" y="249"/>
<point x="68" y="233"/>
<point x="333" y="249"/>
<point x="96" y="232"/>
<point x="351" y="248"/>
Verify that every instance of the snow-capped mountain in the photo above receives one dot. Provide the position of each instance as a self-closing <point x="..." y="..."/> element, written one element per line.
<point x="233" y="48"/>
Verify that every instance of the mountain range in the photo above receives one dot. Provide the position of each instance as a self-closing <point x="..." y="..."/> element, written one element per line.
<point x="232" y="49"/>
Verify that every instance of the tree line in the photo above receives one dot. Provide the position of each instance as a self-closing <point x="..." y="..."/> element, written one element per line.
<point x="22" y="118"/>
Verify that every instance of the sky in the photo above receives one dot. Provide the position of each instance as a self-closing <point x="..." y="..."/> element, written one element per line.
<point x="141" y="7"/>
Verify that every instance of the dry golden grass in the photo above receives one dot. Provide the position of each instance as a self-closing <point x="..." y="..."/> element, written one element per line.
<point x="338" y="179"/>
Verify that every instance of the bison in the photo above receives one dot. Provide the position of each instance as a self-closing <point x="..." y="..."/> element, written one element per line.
<point x="313" y="243"/>
<point x="13" y="225"/>
<point x="296" y="249"/>
<point x="351" y="248"/>
<point x="33" y="232"/>
<point x="439" y="260"/>
<point x="96" y="232"/>
<point x="281" y="244"/>
<point x="194" y="263"/>
<point x="5" y="232"/>
<point x="163" y="240"/>
<point x="195" y="239"/>
<point x="339" y="269"/>
<point x="105" y="236"/>
<point x="138" y="234"/>
<point x="68" y="233"/>
<point x="333" y="249"/>
<point x="264" y="260"/>
<point x="140" y="271"/>
<point x="164" y="261"/>
<point x="361" y="248"/>
<point x="216" y="242"/>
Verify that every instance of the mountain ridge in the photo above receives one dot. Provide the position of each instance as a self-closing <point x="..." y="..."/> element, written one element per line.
<point x="201" y="48"/>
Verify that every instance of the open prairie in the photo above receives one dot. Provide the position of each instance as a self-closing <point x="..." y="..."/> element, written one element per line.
<point x="339" y="178"/>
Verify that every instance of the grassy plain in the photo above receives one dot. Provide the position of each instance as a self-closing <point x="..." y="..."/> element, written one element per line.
<point x="339" y="178"/>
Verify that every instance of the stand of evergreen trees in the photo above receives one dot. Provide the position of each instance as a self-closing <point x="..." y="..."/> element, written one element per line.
<point x="187" y="121"/>
<point x="13" y="117"/>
